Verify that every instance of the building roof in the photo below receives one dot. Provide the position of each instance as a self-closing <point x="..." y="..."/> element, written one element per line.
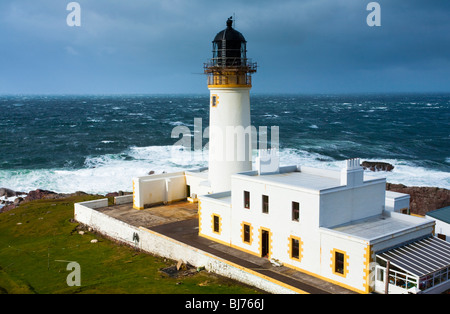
<point x="302" y="180"/>
<point x="442" y="214"/>
<point x="421" y="257"/>
<point x="374" y="227"/>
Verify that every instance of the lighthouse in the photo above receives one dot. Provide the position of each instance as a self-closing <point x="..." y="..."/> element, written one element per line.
<point x="229" y="82"/>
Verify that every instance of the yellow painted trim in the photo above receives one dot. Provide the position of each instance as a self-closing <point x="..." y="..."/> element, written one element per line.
<point x="199" y="217"/>
<point x="343" y="285"/>
<point x="333" y="262"/>
<point x="260" y="230"/>
<point x="230" y="86"/>
<point x="217" y="100"/>
<point x="248" y="270"/>
<point x="258" y="254"/>
<point x="367" y="260"/>
<point x="220" y="223"/>
<point x="245" y="250"/>
<point x="243" y="232"/>
<point x="300" y="248"/>
<point x="134" y="198"/>
<point x="213" y="239"/>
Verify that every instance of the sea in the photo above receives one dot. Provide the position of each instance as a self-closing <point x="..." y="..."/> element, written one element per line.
<point x="98" y="143"/>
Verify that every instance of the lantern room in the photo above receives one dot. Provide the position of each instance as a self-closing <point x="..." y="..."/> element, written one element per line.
<point x="229" y="66"/>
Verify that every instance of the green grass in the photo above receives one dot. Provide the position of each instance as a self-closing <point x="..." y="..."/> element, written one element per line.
<point x="37" y="237"/>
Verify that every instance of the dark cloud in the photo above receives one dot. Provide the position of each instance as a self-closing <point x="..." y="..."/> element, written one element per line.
<point x="144" y="46"/>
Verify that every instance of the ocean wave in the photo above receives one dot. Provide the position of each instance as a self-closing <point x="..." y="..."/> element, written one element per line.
<point x="113" y="172"/>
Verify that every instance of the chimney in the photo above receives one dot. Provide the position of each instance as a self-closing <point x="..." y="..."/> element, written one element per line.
<point x="353" y="174"/>
<point x="267" y="162"/>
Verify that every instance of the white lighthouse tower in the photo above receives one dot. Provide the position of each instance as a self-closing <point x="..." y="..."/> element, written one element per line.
<point x="229" y="81"/>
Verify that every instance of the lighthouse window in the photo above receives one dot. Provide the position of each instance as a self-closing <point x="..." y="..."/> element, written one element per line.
<point x="214" y="101"/>
<point x="295" y="211"/>
<point x="247" y="199"/>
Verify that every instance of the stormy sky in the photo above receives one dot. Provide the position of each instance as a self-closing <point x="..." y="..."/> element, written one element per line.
<point x="149" y="46"/>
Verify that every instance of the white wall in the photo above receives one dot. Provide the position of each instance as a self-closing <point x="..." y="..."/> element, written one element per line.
<point x="154" y="243"/>
<point x="232" y="110"/>
<point x="278" y="220"/>
<point x="209" y="206"/>
<point x="156" y="189"/>
<point x="396" y="201"/>
<point x="441" y="227"/>
<point x="198" y="183"/>
<point x="342" y="205"/>
<point x="357" y="258"/>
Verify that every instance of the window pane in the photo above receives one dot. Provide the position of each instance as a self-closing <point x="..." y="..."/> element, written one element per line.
<point x="295" y="248"/>
<point x="246" y="233"/>
<point x="339" y="263"/>
<point x="246" y="199"/>
<point x="295" y="211"/>
<point x="265" y="204"/>
<point x="216" y="223"/>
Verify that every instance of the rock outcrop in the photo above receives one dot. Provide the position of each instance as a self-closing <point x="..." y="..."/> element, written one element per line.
<point x="377" y="166"/>
<point x="423" y="199"/>
<point x="22" y="197"/>
<point x="40" y="194"/>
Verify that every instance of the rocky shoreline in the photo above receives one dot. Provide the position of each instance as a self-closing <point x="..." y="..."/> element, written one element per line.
<point x="12" y="199"/>
<point x="423" y="199"/>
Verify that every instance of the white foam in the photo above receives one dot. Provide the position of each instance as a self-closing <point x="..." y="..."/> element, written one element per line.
<point x="114" y="172"/>
<point x="410" y="174"/>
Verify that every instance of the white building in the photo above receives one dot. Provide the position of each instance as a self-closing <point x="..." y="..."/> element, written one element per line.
<point x="442" y="218"/>
<point x="341" y="226"/>
<point x="329" y="224"/>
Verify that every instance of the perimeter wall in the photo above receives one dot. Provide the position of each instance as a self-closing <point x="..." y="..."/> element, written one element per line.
<point x="158" y="244"/>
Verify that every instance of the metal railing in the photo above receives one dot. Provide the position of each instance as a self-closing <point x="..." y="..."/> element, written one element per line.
<point x="238" y="64"/>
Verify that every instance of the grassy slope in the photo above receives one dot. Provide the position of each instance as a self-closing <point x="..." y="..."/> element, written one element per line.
<point x="30" y="254"/>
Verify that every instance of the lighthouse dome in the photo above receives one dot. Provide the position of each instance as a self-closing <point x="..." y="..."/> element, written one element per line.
<point x="229" y="34"/>
<point x="229" y="47"/>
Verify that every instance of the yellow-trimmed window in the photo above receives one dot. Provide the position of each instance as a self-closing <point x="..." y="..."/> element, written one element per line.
<point x="295" y="248"/>
<point x="246" y="234"/>
<point x="216" y="224"/>
<point x="214" y="100"/>
<point x="339" y="262"/>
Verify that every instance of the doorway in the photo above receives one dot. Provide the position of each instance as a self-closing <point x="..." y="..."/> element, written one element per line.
<point x="265" y="243"/>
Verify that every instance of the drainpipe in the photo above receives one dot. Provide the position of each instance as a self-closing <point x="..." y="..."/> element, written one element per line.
<point x="386" y="278"/>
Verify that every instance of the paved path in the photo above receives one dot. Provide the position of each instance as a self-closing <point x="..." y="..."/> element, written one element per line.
<point x="186" y="231"/>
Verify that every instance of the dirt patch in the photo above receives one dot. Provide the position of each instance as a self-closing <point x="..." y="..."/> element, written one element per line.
<point x="152" y="216"/>
<point x="175" y="271"/>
